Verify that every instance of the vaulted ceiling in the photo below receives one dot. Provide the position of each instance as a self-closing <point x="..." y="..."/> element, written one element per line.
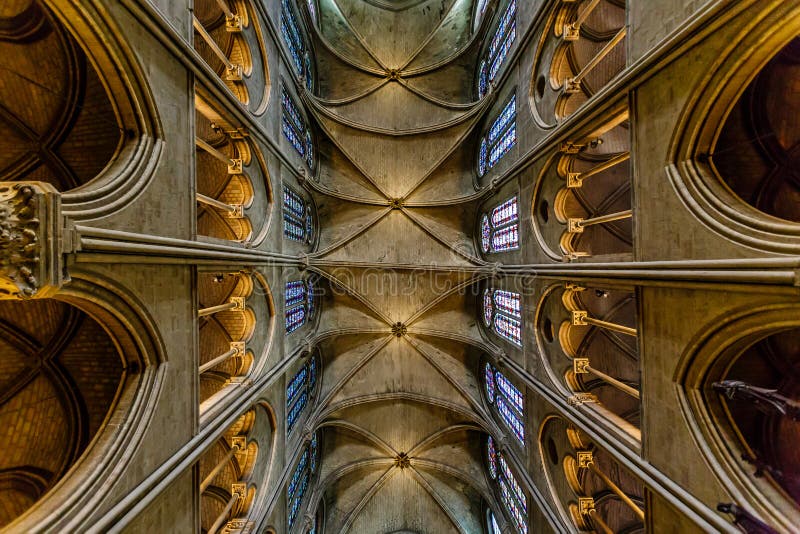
<point x="400" y="403"/>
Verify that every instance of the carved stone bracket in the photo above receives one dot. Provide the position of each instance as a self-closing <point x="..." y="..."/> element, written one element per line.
<point x="30" y="256"/>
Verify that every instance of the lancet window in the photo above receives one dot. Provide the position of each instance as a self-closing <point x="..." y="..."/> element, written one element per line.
<point x="301" y="478"/>
<point x="511" y="495"/>
<point x="295" y="129"/>
<point x="501" y="137"/>
<point x="298" y="221"/>
<point x="301" y="60"/>
<point x="507" y="399"/>
<point x="299" y="303"/>
<point x="500" y="228"/>
<point x="502" y="312"/>
<point x="501" y="44"/>
<point x="299" y="391"/>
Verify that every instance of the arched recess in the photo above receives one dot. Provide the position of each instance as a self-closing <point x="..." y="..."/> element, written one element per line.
<point x="228" y="476"/>
<point x="740" y="392"/>
<point x="235" y="324"/>
<point x="581" y="49"/>
<point x="233" y="192"/>
<point x="229" y="36"/>
<point x="582" y="204"/>
<point x="591" y="491"/>
<point x="588" y="340"/>
<point x="72" y="365"/>
<point x="733" y="157"/>
<point x="85" y="122"/>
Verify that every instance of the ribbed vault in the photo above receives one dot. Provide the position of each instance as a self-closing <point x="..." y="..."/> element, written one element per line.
<point x="399" y="408"/>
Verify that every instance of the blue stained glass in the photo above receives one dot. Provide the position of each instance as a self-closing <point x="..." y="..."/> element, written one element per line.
<point x="291" y="35"/>
<point x="292" y="111"/>
<point x="312" y="9"/>
<point x="292" y="230"/>
<point x="310" y="298"/>
<point x="510" y="392"/>
<point x="483" y="157"/>
<point x="505" y="144"/>
<point x="295" y="129"/>
<point x="513" y="508"/>
<point x="508" y="328"/>
<point x="297" y="409"/>
<point x="493" y="526"/>
<point x="309" y="150"/>
<point x="503" y="120"/>
<point x="506" y="239"/>
<point x="295" y="318"/>
<point x="298" y="473"/>
<point x="512" y="482"/>
<point x="293" y="203"/>
<point x="501" y="138"/>
<point x="296" y="385"/>
<point x="486" y="234"/>
<point x="491" y="453"/>
<point x="510" y="418"/>
<point x="309" y="226"/>
<point x="314" y="453"/>
<point x="295" y="508"/>
<point x="505" y="213"/>
<point x="503" y="39"/>
<point x="497" y="62"/>
<point x="488" y="377"/>
<point x="488" y="308"/>
<point x="508" y="302"/>
<point x="295" y="293"/>
<point x="483" y="79"/>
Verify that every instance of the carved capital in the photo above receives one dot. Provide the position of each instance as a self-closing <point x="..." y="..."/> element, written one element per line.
<point x="580" y="366"/>
<point x="239" y="526"/>
<point x="30" y="259"/>
<point x="585" y="505"/>
<point x="582" y="398"/>
<point x="585" y="459"/>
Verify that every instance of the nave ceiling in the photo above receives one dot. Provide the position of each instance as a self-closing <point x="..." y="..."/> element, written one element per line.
<point x="400" y="402"/>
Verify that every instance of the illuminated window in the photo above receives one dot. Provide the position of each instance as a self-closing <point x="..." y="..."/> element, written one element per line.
<point x="507" y="400"/>
<point x="502" y="312"/>
<point x="298" y="297"/>
<point x="298" y="222"/>
<point x="294" y="128"/>
<point x="299" y="391"/>
<point x="502" y="41"/>
<point x="294" y="41"/>
<point x="301" y="477"/>
<point x="501" y="137"/>
<point x="500" y="228"/>
<point x="511" y="494"/>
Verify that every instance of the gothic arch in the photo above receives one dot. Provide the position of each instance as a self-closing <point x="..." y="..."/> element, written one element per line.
<point x="101" y="139"/>
<point x="716" y="374"/>
<point x="699" y="166"/>
<point x="98" y="358"/>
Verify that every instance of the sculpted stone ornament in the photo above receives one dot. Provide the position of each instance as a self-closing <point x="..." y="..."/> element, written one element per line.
<point x="765" y="400"/>
<point x="30" y="263"/>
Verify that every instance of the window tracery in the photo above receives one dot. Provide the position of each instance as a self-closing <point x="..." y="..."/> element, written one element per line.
<point x="301" y="477"/>
<point x="299" y="303"/>
<point x="500" y="228"/>
<point x="501" y="137"/>
<point x="295" y="128"/>
<point x="507" y="399"/>
<point x="299" y="391"/>
<point x="502" y="312"/>
<point x="511" y="494"/>
<point x="298" y="220"/>
<point x="501" y="43"/>
<point x="293" y="38"/>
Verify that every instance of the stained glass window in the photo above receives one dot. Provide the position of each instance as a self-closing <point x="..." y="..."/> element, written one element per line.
<point x="502" y="312"/>
<point x="500" y="138"/>
<point x="312" y="9"/>
<point x="298" y="222"/>
<point x="507" y="399"/>
<point x="494" y="528"/>
<point x="502" y="41"/>
<point x="299" y="390"/>
<point x="511" y="494"/>
<point x="298" y="297"/>
<point x="295" y="129"/>
<point x="500" y="231"/>
<point x="292" y="36"/>
<point x="299" y="482"/>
